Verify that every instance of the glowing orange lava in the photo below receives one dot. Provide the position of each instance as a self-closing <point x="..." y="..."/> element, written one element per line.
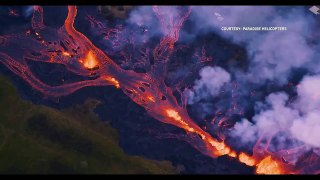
<point x="66" y="54"/>
<point x="246" y="159"/>
<point x="269" y="166"/>
<point x="151" y="98"/>
<point x="232" y="154"/>
<point x="173" y="114"/>
<point x="113" y="81"/>
<point x="90" y="61"/>
<point x="220" y="148"/>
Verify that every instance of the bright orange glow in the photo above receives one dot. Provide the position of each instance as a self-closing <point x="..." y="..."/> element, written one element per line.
<point x="113" y="81"/>
<point x="223" y="149"/>
<point x="175" y="115"/>
<point x="246" y="159"/>
<point x="203" y="137"/>
<point x="190" y="129"/>
<point x="269" y="166"/>
<point x="66" y="54"/>
<point x="90" y="61"/>
<point x="232" y="154"/>
<point x="220" y="148"/>
<point x="151" y="98"/>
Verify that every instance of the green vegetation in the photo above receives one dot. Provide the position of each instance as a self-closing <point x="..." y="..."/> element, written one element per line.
<point x="42" y="140"/>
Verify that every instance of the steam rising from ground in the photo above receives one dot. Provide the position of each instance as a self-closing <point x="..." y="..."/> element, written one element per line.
<point x="273" y="57"/>
<point x="273" y="54"/>
<point x="300" y="119"/>
<point x="210" y="83"/>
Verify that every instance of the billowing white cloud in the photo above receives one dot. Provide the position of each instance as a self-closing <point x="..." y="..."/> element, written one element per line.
<point x="246" y="131"/>
<point x="272" y="54"/>
<point x="307" y="129"/>
<point x="210" y="82"/>
<point x="309" y="94"/>
<point x="299" y="120"/>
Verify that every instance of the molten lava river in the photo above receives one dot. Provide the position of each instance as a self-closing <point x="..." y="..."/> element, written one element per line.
<point x="149" y="88"/>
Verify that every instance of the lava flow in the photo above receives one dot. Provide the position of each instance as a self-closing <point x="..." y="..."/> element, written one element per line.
<point x="76" y="52"/>
<point x="269" y="166"/>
